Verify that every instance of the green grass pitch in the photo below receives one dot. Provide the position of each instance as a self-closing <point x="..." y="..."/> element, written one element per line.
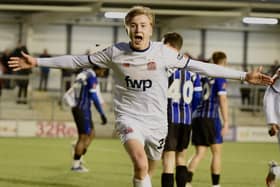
<point x="42" y="162"/>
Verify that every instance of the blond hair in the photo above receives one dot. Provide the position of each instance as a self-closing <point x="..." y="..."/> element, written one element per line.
<point x="136" y="11"/>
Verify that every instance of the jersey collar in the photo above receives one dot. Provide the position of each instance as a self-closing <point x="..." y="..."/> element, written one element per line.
<point x="137" y="50"/>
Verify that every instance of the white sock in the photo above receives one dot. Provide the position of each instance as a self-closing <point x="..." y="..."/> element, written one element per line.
<point x="76" y="163"/>
<point x="216" y="185"/>
<point x="146" y="182"/>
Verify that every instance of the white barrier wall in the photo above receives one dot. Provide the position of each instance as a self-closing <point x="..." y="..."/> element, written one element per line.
<point x="51" y="37"/>
<point x="122" y="35"/>
<point x="47" y="129"/>
<point x="253" y="134"/>
<point x="8" y="36"/>
<point x="61" y="129"/>
<point x="263" y="47"/>
<point x="85" y="37"/>
<point x="37" y="129"/>
<point x="229" y="42"/>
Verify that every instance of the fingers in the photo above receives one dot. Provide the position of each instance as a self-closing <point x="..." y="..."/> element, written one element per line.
<point x="266" y="79"/>
<point x="16" y="69"/>
<point x="262" y="79"/>
<point x="14" y="63"/>
<point x="24" y="54"/>
<point x="259" y="69"/>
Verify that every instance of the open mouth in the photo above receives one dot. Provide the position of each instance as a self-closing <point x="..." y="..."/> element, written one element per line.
<point x="138" y="38"/>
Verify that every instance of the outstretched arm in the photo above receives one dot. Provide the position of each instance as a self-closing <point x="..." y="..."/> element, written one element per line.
<point x="100" y="58"/>
<point x="63" y="62"/>
<point x="212" y="70"/>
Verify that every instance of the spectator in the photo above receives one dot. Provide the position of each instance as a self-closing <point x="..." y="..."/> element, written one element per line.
<point x="44" y="72"/>
<point x="23" y="84"/>
<point x="1" y="81"/>
<point x="6" y="69"/>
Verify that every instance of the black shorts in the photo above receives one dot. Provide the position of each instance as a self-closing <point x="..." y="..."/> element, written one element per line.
<point x="83" y="121"/>
<point x="203" y="131"/>
<point x="178" y="137"/>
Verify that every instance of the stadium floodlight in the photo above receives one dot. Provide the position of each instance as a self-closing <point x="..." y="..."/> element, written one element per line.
<point x="115" y="15"/>
<point x="260" y="21"/>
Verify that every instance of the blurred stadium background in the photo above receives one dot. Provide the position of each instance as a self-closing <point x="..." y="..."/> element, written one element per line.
<point x="75" y="26"/>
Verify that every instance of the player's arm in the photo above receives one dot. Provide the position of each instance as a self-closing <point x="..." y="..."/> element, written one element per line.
<point x="224" y="112"/>
<point x="174" y="59"/>
<point x="221" y="85"/>
<point x="97" y="103"/>
<point x="100" y="58"/>
<point x="213" y="70"/>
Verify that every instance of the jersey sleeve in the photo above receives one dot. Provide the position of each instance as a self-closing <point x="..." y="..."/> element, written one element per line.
<point x="221" y="85"/>
<point x="100" y="58"/>
<point x="196" y="82"/>
<point x="173" y="59"/>
<point x="92" y="80"/>
<point x="94" y="92"/>
<point x="213" y="70"/>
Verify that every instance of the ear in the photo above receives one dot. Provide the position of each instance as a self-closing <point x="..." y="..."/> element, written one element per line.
<point x="152" y="30"/>
<point x="126" y="30"/>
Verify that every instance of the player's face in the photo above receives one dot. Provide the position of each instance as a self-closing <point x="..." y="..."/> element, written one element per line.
<point x="139" y="31"/>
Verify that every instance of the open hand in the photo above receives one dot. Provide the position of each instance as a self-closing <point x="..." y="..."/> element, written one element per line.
<point x="256" y="77"/>
<point x="25" y="62"/>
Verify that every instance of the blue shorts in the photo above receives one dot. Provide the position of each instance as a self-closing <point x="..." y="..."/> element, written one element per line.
<point x="218" y="131"/>
<point x="83" y="120"/>
<point x="206" y="131"/>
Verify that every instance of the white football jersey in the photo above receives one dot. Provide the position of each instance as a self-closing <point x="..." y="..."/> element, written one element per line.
<point x="140" y="77"/>
<point x="141" y="82"/>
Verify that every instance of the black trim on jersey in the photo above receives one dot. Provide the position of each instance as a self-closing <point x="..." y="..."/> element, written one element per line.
<point x="183" y="77"/>
<point x="274" y="89"/>
<point x="187" y="63"/>
<point x="90" y="60"/>
<point x="138" y="50"/>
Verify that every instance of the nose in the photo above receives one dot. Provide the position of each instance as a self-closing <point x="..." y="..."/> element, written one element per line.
<point x="138" y="28"/>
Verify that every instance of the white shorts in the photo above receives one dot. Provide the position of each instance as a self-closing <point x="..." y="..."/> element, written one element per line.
<point x="271" y="104"/>
<point x="152" y="139"/>
<point x="276" y="171"/>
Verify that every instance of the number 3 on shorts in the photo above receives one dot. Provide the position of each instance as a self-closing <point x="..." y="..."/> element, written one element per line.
<point x="161" y="143"/>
